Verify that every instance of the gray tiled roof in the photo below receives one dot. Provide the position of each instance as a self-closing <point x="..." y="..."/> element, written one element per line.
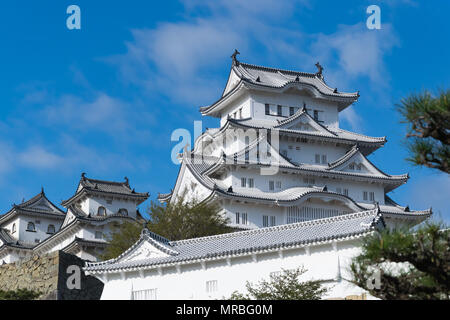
<point x="278" y="78"/>
<point x="247" y="242"/>
<point x="88" y="185"/>
<point x="330" y="133"/>
<point x="9" y="241"/>
<point x="252" y="76"/>
<point x="39" y="205"/>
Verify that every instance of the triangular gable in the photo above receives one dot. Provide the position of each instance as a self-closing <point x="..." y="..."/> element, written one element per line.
<point x="149" y="246"/>
<point x="43" y="204"/>
<point x="70" y="216"/>
<point x="355" y="162"/>
<point x="260" y="151"/>
<point x="233" y="80"/>
<point x="302" y="121"/>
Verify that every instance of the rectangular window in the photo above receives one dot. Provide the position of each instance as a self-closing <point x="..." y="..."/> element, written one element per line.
<point x="279" y="110"/>
<point x="251" y="183"/>
<point x="317" y="158"/>
<point x="240" y="113"/>
<point x="244" y="219"/>
<point x="267" y="109"/>
<point x="38" y="221"/>
<point x="272" y="221"/>
<point x="291" y="111"/>
<point x="37" y="240"/>
<point x="211" y="286"/>
<point x="278" y="184"/>
<point x="265" y="221"/>
<point x="324" y="159"/>
<point x="346" y="192"/>
<point x="316" y="115"/>
<point x="364" y="195"/>
<point x="149" y="294"/>
<point x="290" y="147"/>
<point x="372" y="196"/>
<point x="237" y="218"/>
<point x="243" y="182"/>
<point x="297" y="148"/>
<point x="271" y="186"/>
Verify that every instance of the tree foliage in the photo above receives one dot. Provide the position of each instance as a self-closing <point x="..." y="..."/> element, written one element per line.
<point x="429" y="129"/>
<point x="123" y="236"/>
<point x="286" y="286"/>
<point x="184" y="220"/>
<point x="411" y="265"/>
<point x="175" y="221"/>
<point x="20" y="294"/>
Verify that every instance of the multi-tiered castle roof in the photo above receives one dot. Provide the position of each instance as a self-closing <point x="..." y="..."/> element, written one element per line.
<point x="280" y="118"/>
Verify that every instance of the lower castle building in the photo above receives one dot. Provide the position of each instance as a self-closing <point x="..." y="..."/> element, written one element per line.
<point x="38" y="226"/>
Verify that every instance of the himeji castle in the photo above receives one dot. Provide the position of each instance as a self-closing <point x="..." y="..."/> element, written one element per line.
<point x="38" y="226"/>
<point x="299" y="190"/>
<point x="281" y="157"/>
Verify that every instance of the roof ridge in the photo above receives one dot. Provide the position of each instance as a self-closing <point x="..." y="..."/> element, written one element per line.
<point x="350" y="153"/>
<point x="360" y="134"/>
<point x="279" y="227"/>
<point x="275" y="70"/>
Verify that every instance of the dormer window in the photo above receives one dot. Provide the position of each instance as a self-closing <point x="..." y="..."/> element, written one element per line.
<point x="51" y="229"/>
<point x="101" y="211"/>
<point x="123" y="212"/>
<point x="31" y="227"/>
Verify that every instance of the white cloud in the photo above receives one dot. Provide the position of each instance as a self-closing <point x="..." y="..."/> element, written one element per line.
<point x="36" y="157"/>
<point x="181" y="60"/>
<point x="356" y="51"/>
<point x="102" y="113"/>
<point x="352" y="118"/>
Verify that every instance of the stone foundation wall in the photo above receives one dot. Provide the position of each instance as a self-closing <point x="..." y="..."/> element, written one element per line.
<point x="48" y="275"/>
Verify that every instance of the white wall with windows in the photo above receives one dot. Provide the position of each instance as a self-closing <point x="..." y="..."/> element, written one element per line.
<point x="218" y="279"/>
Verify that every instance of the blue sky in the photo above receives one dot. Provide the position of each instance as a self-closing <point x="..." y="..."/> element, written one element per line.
<point x="105" y="99"/>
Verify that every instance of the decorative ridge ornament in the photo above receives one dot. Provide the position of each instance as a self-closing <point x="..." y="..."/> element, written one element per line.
<point x="319" y="70"/>
<point x="233" y="56"/>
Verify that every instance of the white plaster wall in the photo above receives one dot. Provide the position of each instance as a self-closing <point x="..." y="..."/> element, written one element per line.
<point x="94" y="203"/>
<point x="41" y="228"/>
<point x="288" y="180"/>
<point x="329" y="114"/>
<point x="322" y="264"/>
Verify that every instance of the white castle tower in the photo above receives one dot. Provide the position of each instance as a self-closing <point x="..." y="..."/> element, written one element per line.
<point x="280" y="156"/>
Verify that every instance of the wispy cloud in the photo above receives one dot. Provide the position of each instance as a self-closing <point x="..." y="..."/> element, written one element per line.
<point x="180" y="59"/>
<point x="36" y="157"/>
